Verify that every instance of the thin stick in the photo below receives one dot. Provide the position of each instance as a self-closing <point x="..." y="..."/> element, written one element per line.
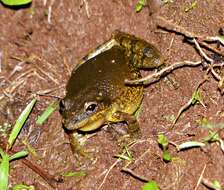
<point x="134" y="174"/>
<point x="211" y="61"/>
<point x="202" y="52"/>
<point x="105" y="177"/>
<point x="115" y="163"/>
<point x="86" y="8"/>
<point x="189" y="103"/>
<point x="156" y="76"/>
<point x="169" y="25"/>
<point x="201" y="176"/>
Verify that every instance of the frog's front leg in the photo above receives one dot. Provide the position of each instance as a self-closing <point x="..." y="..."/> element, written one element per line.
<point x="142" y="54"/>
<point x="133" y="126"/>
<point x="77" y="148"/>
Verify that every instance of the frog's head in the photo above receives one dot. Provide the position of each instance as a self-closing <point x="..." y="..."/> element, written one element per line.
<point x="85" y="113"/>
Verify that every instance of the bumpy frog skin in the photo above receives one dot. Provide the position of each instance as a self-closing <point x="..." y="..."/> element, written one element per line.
<point x="96" y="93"/>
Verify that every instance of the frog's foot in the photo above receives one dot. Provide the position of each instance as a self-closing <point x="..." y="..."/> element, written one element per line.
<point x="78" y="148"/>
<point x="133" y="126"/>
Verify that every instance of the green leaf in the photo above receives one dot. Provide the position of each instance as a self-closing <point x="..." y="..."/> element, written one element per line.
<point x="124" y="157"/>
<point x="167" y="156"/>
<point x="30" y="149"/>
<point x="205" y="123"/>
<point x="16" y="2"/>
<point x="75" y="174"/>
<point x="23" y="187"/>
<point x="140" y="5"/>
<point x="216" y="184"/>
<point x="221" y="39"/>
<point x="163" y="141"/>
<point x="19" y="123"/>
<point x="170" y="118"/>
<point x="17" y="155"/>
<point x="212" y="137"/>
<point x="197" y="97"/>
<point x="217" y="38"/>
<point x="49" y="110"/>
<point x="192" y="6"/>
<point x="4" y="170"/>
<point x="190" y="144"/>
<point x="151" y="185"/>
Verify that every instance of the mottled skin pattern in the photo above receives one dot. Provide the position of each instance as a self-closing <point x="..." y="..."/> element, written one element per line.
<point x="96" y="92"/>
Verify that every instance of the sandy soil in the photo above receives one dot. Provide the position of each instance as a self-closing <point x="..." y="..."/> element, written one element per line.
<point x="41" y="44"/>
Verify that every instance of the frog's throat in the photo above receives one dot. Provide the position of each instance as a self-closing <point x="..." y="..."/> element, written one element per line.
<point x="88" y="124"/>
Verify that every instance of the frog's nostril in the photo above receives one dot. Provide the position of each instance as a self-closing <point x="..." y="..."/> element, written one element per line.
<point x="61" y="106"/>
<point x="147" y="52"/>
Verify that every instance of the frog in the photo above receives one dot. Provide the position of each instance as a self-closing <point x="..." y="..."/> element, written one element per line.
<point x="96" y="92"/>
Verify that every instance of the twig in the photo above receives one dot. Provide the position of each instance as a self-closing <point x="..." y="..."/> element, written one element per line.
<point x="156" y="76"/>
<point x="169" y="25"/>
<point x="47" y="75"/>
<point x="1" y="58"/>
<point x="115" y="163"/>
<point x="200" y="178"/>
<point x="50" y="179"/>
<point x="134" y="174"/>
<point x="49" y="14"/>
<point x="211" y="61"/>
<point x="47" y="91"/>
<point x="202" y="52"/>
<point x="44" y="2"/>
<point x="86" y="8"/>
<point x="69" y="71"/>
<point x="105" y="177"/>
<point x="189" y="103"/>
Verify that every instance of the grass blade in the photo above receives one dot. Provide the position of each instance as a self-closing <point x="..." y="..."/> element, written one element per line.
<point x="17" y="155"/>
<point x="151" y="185"/>
<point x="49" y="110"/>
<point x="4" y="170"/>
<point x="23" y="187"/>
<point x="19" y="123"/>
<point x="16" y="2"/>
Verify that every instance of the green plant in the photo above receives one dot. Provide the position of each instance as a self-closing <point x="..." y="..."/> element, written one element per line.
<point x="16" y="2"/>
<point x="5" y="157"/>
<point x="151" y="185"/>
<point x="140" y="5"/>
<point x="163" y="142"/>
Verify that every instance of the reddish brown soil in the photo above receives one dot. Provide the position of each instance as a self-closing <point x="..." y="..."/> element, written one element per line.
<point x="45" y="53"/>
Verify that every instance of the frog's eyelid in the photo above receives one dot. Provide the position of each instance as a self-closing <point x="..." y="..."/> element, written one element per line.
<point x="88" y="104"/>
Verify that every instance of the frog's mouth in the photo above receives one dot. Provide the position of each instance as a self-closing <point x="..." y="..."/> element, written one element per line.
<point x="87" y="124"/>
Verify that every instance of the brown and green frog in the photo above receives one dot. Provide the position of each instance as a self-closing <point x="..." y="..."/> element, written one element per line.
<point x="96" y="93"/>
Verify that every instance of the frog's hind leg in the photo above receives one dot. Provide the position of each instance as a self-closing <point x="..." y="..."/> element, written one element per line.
<point x="142" y="54"/>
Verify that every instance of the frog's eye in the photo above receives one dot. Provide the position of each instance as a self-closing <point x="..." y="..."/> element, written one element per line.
<point x="90" y="106"/>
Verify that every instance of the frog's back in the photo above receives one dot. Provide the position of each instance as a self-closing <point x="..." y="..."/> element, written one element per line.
<point x="104" y="75"/>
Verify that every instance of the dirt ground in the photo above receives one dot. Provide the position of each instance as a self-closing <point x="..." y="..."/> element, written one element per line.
<point x="41" y="44"/>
